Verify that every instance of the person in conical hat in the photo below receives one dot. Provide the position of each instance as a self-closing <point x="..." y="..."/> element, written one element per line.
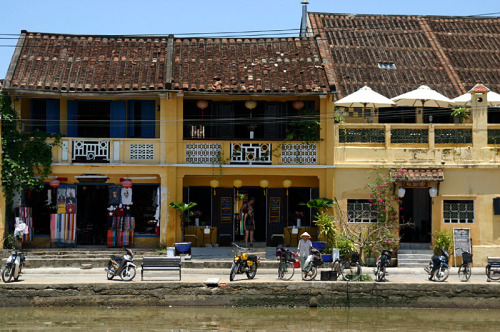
<point x="304" y="248"/>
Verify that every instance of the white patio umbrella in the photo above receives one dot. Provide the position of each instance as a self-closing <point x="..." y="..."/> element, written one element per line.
<point x="464" y="100"/>
<point x="423" y="96"/>
<point x="365" y="97"/>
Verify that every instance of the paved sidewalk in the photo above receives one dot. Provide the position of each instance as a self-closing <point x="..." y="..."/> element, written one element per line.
<point x="98" y="275"/>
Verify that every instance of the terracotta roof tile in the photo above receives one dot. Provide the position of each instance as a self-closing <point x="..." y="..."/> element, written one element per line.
<point x="449" y="54"/>
<point x="479" y="88"/>
<point x="408" y="174"/>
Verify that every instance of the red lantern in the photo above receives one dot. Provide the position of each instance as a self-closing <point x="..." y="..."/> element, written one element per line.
<point x="127" y="183"/>
<point x="54" y="183"/>
<point x="202" y="104"/>
<point x="298" y="104"/>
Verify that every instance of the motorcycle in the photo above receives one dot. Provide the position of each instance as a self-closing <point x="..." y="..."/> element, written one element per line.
<point x="13" y="267"/>
<point x="244" y="263"/>
<point x="122" y="266"/>
<point x="438" y="268"/>
<point x="382" y="263"/>
<point x="310" y="269"/>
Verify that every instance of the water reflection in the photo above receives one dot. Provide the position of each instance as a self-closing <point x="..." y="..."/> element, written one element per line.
<point x="245" y="319"/>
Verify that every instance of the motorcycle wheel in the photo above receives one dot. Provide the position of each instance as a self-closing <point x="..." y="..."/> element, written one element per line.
<point x="380" y="272"/>
<point x="286" y="271"/>
<point x="464" y="272"/>
<point x="7" y="273"/>
<point x="234" y="269"/>
<point x="311" y="274"/>
<point x="350" y="272"/>
<point x="110" y="275"/>
<point x="128" y="273"/>
<point x="252" y="271"/>
<point x="441" y="274"/>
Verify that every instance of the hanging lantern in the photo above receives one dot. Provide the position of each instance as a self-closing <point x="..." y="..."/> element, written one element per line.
<point x="433" y="192"/>
<point x="401" y="192"/>
<point x="298" y="104"/>
<point x="54" y="183"/>
<point x="287" y="184"/>
<point x="202" y="104"/>
<point x="214" y="184"/>
<point x="250" y="104"/>
<point x="127" y="183"/>
<point x="237" y="183"/>
<point x="264" y="184"/>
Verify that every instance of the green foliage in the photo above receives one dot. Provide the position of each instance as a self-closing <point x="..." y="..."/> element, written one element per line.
<point x="328" y="228"/>
<point x="305" y="127"/>
<point x="444" y="239"/>
<point x="319" y="203"/>
<point x="9" y="242"/>
<point x="460" y="113"/>
<point x="344" y="244"/>
<point x="338" y="116"/>
<point x="184" y="209"/>
<point x="365" y="277"/>
<point x="26" y="157"/>
<point x="382" y="195"/>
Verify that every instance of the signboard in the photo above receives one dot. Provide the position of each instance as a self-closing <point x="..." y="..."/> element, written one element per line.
<point x="461" y="241"/>
<point x="274" y="209"/>
<point x="226" y="211"/>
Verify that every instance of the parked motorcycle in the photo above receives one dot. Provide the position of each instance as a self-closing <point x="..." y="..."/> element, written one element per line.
<point x="382" y="263"/>
<point x="438" y="268"/>
<point x="13" y="267"/>
<point x="313" y="261"/>
<point x="244" y="263"/>
<point x="122" y="266"/>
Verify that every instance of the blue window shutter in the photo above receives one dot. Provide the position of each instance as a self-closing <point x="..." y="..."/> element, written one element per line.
<point x="148" y="119"/>
<point x="52" y="114"/>
<point x="118" y="119"/>
<point x="72" y="118"/>
<point x="131" y="119"/>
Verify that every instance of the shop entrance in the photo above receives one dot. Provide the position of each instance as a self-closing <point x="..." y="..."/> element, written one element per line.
<point x="415" y="218"/>
<point x="92" y="214"/>
<point x="259" y="209"/>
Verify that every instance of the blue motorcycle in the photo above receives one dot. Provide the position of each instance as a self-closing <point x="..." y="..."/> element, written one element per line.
<point x="438" y="268"/>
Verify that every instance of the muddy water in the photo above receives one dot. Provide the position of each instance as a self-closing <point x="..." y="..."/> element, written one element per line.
<point x="245" y="319"/>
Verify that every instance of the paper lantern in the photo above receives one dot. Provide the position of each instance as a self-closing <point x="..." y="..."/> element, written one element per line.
<point x="298" y="104"/>
<point x="264" y="184"/>
<point x="250" y="104"/>
<point x="237" y="183"/>
<point x="54" y="183"/>
<point x="401" y="192"/>
<point x="202" y="104"/>
<point x="214" y="184"/>
<point x="127" y="183"/>
<point x="287" y="184"/>
<point x="433" y="192"/>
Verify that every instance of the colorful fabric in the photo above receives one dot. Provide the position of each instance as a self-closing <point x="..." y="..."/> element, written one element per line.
<point x="63" y="229"/>
<point x="25" y="215"/>
<point x="118" y="238"/>
<point x="114" y="195"/>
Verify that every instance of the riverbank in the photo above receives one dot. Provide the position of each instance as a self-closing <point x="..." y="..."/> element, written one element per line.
<point x="405" y="288"/>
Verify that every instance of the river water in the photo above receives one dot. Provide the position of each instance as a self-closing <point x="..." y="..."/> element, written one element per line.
<point x="245" y="319"/>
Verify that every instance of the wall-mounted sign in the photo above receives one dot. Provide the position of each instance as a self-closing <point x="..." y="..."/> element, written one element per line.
<point x="274" y="209"/>
<point x="225" y="209"/>
<point x="461" y="241"/>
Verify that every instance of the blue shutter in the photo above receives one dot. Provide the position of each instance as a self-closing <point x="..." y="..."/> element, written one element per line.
<point x="72" y="118"/>
<point x="148" y="119"/>
<point x="118" y="119"/>
<point x="52" y="115"/>
<point x="131" y="119"/>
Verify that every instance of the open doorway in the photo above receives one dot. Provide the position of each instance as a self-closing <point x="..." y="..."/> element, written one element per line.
<point x="91" y="214"/>
<point x="416" y="218"/>
<point x="259" y="207"/>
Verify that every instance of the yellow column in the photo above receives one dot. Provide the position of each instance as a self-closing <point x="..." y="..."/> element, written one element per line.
<point x="165" y="216"/>
<point x="326" y="146"/>
<point x="479" y="108"/>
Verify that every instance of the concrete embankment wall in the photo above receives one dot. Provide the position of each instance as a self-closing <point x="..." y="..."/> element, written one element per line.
<point x="323" y="294"/>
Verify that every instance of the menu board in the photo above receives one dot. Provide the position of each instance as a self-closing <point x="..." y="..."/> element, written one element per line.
<point x="461" y="241"/>
<point x="274" y="209"/>
<point x="226" y="209"/>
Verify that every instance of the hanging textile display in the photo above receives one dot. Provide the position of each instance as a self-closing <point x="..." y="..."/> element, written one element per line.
<point x="121" y="226"/>
<point x="63" y="229"/>
<point x="24" y="232"/>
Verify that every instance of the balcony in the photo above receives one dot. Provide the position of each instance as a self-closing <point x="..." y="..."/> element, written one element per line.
<point x="415" y="143"/>
<point x="107" y="151"/>
<point x="251" y="153"/>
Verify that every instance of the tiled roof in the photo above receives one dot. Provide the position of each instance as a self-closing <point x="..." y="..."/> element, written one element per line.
<point x="449" y="54"/>
<point x="88" y="63"/>
<point x="479" y="88"/>
<point x="417" y="174"/>
<point x="58" y="62"/>
<point x="267" y="65"/>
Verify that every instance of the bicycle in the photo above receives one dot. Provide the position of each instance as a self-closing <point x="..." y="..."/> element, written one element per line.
<point x="465" y="271"/>
<point x="349" y="269"/>
<point x="286" y="270"/>
<point x="382" y="263"/>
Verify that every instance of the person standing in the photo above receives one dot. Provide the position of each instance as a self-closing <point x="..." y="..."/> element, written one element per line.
<point x="243" y="210"/>
<point x="304" y="248"/>
<point x="249" y="222"/>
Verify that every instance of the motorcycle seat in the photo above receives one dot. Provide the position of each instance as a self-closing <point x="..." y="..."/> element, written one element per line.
<point x="252" y="258"/>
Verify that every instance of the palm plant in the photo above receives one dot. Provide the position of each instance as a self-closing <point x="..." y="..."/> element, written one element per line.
<point x="184" y="209"/>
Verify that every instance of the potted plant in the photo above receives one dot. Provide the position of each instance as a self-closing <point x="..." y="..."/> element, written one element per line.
<point x="460" y="113"/>
<point x="444" y="239"/>
<point x="370" y="254"/>
<point x="184" y="209"/>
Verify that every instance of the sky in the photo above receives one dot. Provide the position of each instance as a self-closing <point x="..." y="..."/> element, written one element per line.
<point x="191" y="17"/>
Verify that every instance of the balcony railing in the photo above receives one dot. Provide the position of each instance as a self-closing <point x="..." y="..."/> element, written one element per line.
<point x="109" y="151"/>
